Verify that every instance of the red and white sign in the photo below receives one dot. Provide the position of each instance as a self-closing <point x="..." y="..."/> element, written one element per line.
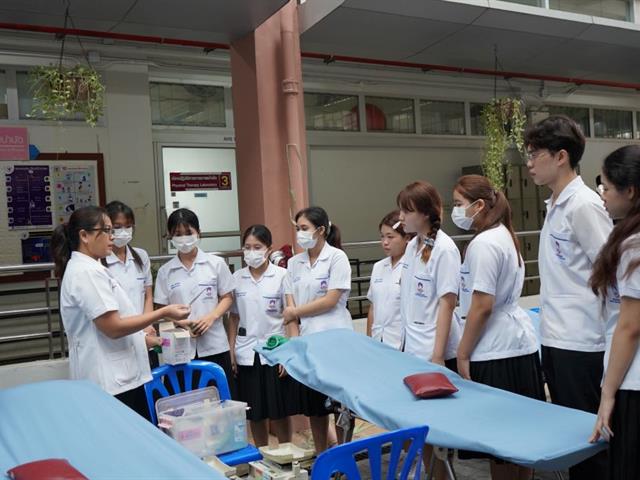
<point x="14" y="144"/>
<point x="185" y="181"/>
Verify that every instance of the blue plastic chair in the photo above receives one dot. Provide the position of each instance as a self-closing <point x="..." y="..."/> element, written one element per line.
<point x="208" y="372"/>
<point x="341" y="459"/>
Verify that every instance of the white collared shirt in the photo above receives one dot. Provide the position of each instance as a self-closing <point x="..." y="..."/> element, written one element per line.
<point x="627" y="286"/>
<point x="259" y="304"/>
<point x="421" y="287"/>
<point x="89" y="291"/>
<point x="574" y="231"/>
<point x="307" y="282"/>
<point x="134" y="279"/>
<point x="210" y="278"/>
<point x="491" y="266"/>
<point x="384" y="295"/>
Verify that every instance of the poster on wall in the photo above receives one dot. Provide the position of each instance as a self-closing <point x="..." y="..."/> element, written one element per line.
<point x="28" y="192"/>
<point x="75" y="187"/>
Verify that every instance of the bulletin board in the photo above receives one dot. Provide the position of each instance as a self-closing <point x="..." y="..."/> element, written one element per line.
<point x="39" y="195"/>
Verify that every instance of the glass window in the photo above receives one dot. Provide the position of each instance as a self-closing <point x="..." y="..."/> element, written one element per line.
<point x="616" y="9"/>
<point x="533" y="3"/>
<point x="187" y="105"/>
<point x="4" y="111"/>
<point x="442" y="118"/>
<point x="25" y="100"/>
<point x="613" y="124"/>
<point x="579" y="114"/>
<point x="475" y="111"/>
<point x="386" y="114"/>
<point x="331" y="111"/>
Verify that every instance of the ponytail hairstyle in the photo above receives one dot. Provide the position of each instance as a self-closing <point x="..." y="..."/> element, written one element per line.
<point x="422" y="197"/>
<point x="319" y="218"/>
<point x="261" y="232"/>
<point x="496" y="207"/>
<point x="622" y="169"/>
<point x="114" y="209"/>
<point x="66" y="237"/>
<point x="392" y="218"/>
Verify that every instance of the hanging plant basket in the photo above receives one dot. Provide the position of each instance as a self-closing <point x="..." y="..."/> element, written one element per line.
<point x="59" y="93"/>
<point x="504" y="121"/>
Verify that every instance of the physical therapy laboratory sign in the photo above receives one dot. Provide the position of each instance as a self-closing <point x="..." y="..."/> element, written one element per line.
<point x="183" y="182"/>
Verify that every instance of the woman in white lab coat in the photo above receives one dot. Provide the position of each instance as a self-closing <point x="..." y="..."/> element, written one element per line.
<point x="383" y="319"/>
<point x="102" y="325"/>
<point x="132" y="268"/>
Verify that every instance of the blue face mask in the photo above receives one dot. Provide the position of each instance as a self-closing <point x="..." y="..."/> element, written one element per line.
<point x="459" y="217"/>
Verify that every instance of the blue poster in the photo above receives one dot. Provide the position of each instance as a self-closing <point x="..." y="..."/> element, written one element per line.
<point x="28" y="196"/>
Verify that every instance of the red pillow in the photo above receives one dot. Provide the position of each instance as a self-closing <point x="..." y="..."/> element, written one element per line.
<point x="49" y="469"/>
<point x="429" y="385"/>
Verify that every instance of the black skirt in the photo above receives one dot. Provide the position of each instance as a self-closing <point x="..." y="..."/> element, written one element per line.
<point x="268" y="395"/>
<point x="311" y="403"/>
<point x="624" y="460"/>
<point x="521" y="375"/>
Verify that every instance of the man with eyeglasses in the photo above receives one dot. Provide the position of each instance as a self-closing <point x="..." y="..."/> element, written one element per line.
<point x="575" y="228"/>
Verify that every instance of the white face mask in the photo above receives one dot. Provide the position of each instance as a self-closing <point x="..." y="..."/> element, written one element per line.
<point x="255" y="258"/>
<point x="122" y="236"/>
<point x="185" y="243"/>
<point x="306" y="240"/>
<point x="459" y="217"/>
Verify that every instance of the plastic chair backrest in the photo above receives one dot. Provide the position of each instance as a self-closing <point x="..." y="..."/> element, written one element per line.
<point x="342" y="458"/>
<point x="208" y="371"/>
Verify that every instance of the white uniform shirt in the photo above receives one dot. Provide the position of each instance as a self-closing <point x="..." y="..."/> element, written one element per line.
<point x="491" y="266"/>
<point x="628" y="286"/>
<point x="384" y="295"/>
<point x="421" y="287"/>
<point x="89" y="291"/>
<point x="307" y="282"/>
<point x="133" y="279"/>
<point x="208" y="277"/>
<point x="574" y="231"/>
<point x="259" y="304"/>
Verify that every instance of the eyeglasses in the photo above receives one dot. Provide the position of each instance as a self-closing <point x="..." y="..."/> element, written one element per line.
<point x="107" y="230"/>
<point x="534" y="154"/>
<point x="600" y="186"/>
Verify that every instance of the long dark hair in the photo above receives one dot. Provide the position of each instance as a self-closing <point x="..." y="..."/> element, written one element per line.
<point x="319" y="218"/>
<point x="66" y="237"/>
<point x="114" y="209"/>
<point x="622" y="169"/>
<point x="390" y="219"/>
<point x="496" y="207"/>
<point x="422" y="197"/>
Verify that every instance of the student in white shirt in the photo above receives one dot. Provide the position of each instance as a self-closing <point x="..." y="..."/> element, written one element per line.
<point x="576" y="227"/>
<point x="383" y="319"/>
<point x="429" y="284"/>
<point x="616" y="278"/>
<point x="430" y="278"/>
<point x="102" y="325"/>
<point x="259" y="301"/>
<point x="499" y="345"/>
<point x="132" y="268"/>
<point x="202" y="280"/>
<point x="318" y="285"/>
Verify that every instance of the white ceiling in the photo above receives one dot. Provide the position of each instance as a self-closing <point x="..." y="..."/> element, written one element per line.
<point x="204" y="20"/>
<point x="463" y="34"/>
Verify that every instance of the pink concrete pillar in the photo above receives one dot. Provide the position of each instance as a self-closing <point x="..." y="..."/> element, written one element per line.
<point x="268" y="109"/>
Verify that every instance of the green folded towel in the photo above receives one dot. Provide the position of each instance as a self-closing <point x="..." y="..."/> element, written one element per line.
<point x="275" y="341"/>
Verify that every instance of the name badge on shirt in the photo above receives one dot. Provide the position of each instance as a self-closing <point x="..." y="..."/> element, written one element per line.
<point x="614" y="295"/>
<point x="463" y="282"/>
<point x="272" y="305"/>
<point x="560" y="245"/>
<point x="323" y="285"/>
<point x="175" y="285"/>
<point x="421" y="287"/>
<point x="377" y="280"/>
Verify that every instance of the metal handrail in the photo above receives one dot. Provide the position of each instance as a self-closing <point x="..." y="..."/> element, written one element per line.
<point x="49" y="310"/>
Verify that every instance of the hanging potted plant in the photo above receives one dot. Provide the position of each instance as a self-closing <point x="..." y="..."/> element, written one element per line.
<point x="60" y="92"/>
<point x="504" y="121"/>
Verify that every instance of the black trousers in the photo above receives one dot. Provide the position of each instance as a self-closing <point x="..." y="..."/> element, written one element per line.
<point x="574" y="380"/>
